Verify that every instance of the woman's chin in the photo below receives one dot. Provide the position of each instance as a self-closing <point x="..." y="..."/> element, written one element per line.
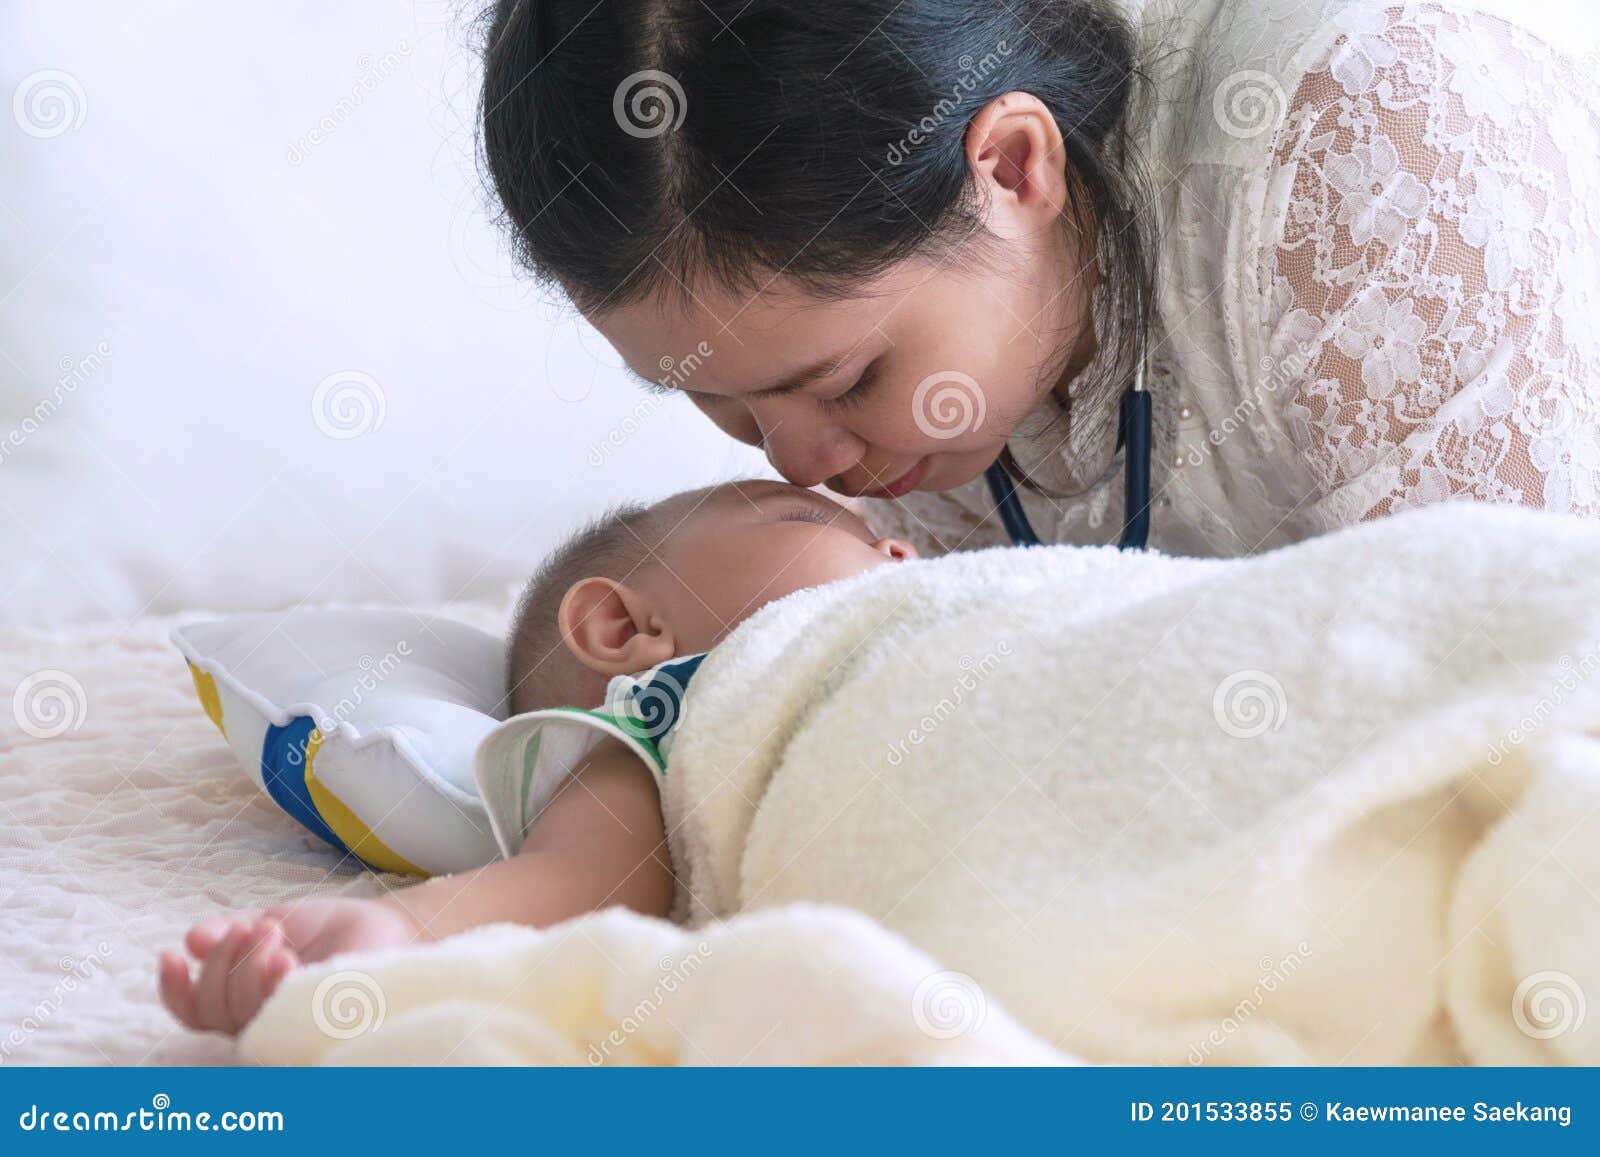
<point x="948" y="471"/>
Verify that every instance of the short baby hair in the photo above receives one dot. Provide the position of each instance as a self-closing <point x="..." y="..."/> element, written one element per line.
<point x="542" y="672"/>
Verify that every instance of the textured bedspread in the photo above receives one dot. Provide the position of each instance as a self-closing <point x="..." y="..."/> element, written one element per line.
<point x="123" y="818"/>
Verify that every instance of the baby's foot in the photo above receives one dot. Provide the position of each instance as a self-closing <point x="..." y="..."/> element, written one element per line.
<point x="244" y="956"/>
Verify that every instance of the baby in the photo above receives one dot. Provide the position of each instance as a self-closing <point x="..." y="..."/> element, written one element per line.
<point x="627" y="606"/>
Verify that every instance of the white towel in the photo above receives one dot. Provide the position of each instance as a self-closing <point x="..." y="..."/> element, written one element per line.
<point x="1335" y="804"/>
<point x="1340" y="803"/>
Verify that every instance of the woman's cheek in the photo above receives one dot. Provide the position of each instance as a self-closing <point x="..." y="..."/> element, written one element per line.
<point x="732" y="419"/>
<point x="889" y="422"/>
<point x="945" y="412"/>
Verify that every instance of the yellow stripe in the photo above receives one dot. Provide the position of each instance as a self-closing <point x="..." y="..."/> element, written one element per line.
<point x="205" y="686"/>
<point x="347" y="825"/>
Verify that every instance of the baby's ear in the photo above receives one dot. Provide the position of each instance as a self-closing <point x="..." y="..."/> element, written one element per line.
<point x="612" y="629"/>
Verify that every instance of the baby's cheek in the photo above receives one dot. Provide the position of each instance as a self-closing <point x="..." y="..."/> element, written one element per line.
<point x="824" y="556"/>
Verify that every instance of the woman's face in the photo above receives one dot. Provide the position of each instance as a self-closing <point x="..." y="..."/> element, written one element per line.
<point x="915" y="381"/>
<point x="913" y="384"/>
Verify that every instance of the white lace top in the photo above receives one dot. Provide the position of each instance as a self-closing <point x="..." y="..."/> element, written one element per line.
<point x="1378" y="229"/>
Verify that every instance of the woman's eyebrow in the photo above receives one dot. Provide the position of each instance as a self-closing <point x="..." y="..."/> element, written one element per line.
<point x="799" y="380"/>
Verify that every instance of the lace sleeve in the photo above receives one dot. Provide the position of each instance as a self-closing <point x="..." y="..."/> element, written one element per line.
<point x="1435" y="296"/>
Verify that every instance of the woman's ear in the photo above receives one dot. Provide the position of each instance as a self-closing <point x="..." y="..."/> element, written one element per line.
<point x="1018" y="163"/>
<point x="612" y="629"/>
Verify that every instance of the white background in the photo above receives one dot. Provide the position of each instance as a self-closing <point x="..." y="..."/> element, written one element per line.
<point x="225" y="262"/>
<point x="184" y="220"/>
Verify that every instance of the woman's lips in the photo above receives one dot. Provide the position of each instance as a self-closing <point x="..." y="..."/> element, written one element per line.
<point x="905" y="484"/>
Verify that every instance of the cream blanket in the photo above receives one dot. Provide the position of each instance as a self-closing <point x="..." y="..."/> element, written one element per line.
<point x="1335" y="804"/>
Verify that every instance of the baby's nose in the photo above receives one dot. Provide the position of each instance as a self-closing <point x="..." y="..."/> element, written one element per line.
<point x="897" y="549"/>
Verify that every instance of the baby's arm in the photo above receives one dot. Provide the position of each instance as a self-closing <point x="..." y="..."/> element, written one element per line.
<point x="600" y="842"/>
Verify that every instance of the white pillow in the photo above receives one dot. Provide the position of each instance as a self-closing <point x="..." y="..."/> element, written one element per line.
<point x="360" y="724"/>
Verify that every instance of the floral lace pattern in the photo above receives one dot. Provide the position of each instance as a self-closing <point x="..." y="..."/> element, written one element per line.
<point x="1442" y="253"/>
<point x="1418" y="316"/>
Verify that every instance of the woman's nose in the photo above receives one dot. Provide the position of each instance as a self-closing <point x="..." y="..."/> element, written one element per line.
<point x="805" y="448"/>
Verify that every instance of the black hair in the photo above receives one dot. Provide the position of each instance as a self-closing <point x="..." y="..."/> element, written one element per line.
<point x="637" y="145"/>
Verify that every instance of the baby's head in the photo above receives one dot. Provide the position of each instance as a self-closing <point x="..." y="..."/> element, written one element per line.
<point x="647" y="584"/>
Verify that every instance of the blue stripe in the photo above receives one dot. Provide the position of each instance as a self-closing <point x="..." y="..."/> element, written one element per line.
<point x="658" y="695"/>
<point x="683" y="669"/>
<point x="283" y="770"/>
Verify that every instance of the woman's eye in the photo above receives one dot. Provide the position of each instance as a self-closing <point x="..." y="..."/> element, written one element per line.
<point x="860" y="391"/>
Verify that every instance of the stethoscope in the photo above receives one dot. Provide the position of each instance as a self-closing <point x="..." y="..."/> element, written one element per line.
<point x="1133" y="437"/>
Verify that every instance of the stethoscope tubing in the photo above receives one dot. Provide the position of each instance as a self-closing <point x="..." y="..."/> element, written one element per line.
<point x="1136" y="451"/>
<point x="1135" y="439"/>
<point x="1004" y="489"/>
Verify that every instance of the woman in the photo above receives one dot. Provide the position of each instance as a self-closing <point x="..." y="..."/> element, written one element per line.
<point x="894" y="242"/>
